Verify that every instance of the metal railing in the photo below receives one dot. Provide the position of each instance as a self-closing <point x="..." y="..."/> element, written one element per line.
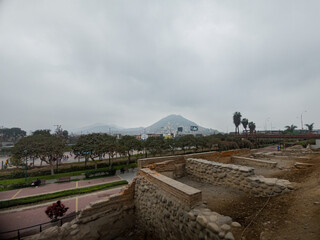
<point x="31" y="230"/>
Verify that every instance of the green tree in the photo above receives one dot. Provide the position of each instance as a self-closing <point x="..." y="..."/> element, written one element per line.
<point x="186" y="142"/>
<point x="48" y="148"/>
<point x="155" y="145"/>
<point x="127" y="144"/>
<point x="237" y="121"/>
<point x="201" y="142"/>
<point x="42" y="132"/>
<point x="12" y="134"/>
<point x="88" y="146"/>
<point x="212" y="141"/>
<point x="252" y="127"/>
<point x="309" y="126"/>
<point x="107" y="145"/>
<point x="245" y="123"/>
<point x="170" y="144"/>
<point x="290" y="129"/>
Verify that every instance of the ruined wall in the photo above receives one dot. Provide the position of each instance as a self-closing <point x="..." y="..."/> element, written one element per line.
<point x="105" y="219"/>
<point x="253" y="162"/>
<point x="240" y="177"/>
<point x="173" y="166"/>
<point x="167" y="209"/>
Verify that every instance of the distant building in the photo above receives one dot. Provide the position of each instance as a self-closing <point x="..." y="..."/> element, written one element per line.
<point x="155" y="135"/>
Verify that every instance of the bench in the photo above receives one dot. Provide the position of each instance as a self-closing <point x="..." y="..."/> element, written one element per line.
<point x="64" y="179"/>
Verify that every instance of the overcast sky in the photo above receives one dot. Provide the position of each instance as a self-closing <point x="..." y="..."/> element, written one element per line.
<point x="131" y="63"/>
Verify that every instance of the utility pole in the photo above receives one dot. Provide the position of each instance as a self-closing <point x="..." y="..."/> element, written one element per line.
<point x="301" y="119"/>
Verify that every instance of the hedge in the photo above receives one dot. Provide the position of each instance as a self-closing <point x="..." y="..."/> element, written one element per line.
<point x="100" y="172"/>
<point x="20" y="173"/>
<point x="10" y="184"/>
<point x="50" y="196"/>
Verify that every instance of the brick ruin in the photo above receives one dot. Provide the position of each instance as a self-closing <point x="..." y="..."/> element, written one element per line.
<point x="156" y="206"/>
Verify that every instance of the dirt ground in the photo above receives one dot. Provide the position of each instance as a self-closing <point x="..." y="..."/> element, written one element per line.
<point x="292" y="216"/>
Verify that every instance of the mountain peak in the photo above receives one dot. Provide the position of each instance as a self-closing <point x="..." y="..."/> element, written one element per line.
<point x="166" y="125"/>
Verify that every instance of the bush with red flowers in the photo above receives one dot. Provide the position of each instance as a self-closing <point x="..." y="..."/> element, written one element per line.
<point x="56" y="210"/>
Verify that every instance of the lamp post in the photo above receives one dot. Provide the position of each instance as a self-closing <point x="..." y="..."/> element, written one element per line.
<point x="301" y="119"/>
<point x="266" y="124"/>
<point x="25" y="174"/>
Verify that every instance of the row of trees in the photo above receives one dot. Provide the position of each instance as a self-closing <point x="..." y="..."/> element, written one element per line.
<point x="94" y="145"/>
<point x="50" y="148"/>
<point x="11" y="134"/>
<point x="252" y="126"/>
<point x="291" y="128"/>
<point x="245" y="123"/>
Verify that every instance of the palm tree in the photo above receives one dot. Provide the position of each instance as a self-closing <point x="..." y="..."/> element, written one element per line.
<point x="245" y="123"/>
<point x="309" y="126"/>
<point x="237" y="120"/>
<point x="252" y="127"/>
<point x="290" y="129"/>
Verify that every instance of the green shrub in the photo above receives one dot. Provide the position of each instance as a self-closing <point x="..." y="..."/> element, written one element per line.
<point x="227" y="145"/>
<point x="100" y="172"/>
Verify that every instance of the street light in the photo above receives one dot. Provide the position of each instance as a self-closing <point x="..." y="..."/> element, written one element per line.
<point x="25" y="174"/>
<point x="301" y="119"/>
<point x="265" y="124"/>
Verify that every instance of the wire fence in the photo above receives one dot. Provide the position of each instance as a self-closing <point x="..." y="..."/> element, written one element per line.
<point x="31" y="230"/>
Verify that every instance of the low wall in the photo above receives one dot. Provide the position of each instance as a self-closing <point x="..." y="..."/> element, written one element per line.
<point x="167" y="209"/>
<point x="236" y="176"/>
<point x="317" y="145"/>
<point x="253" y="162"/>
<point x="173" y="166"/>
<point x="105" y="219"/>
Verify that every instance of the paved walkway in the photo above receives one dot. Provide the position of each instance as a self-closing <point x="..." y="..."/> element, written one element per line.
<point x="30" y="216"/>
<point x="26" y="216"/>
<point x="49" y="188"/>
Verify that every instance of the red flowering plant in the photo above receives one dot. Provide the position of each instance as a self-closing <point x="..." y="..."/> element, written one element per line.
<point x="56" y="210"/>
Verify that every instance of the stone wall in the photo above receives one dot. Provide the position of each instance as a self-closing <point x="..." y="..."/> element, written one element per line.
<point x="236" y="176"/>
<point x="105" y="219"/>
<point x="173" y="166"/>
<point x="167" y="209"/>
<point x="253" y="162"/>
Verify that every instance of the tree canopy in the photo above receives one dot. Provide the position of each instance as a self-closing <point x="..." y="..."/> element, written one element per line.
<point x="245" y="123"/>
<point x="252" y="127"/>
<point x="309" y="126"/>
<point x="49" y="148"/>
<point x="237" y="121"/>
<point x="11" y="134"/>
<point x="290" y="129"/>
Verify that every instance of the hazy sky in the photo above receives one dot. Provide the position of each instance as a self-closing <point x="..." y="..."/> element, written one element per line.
<point x="130" y="63"/>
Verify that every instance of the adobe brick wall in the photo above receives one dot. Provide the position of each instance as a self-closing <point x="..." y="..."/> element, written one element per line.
<point x="167" y="209"/>
<point x="240" y="177"/>
<point x="104" y="219"/>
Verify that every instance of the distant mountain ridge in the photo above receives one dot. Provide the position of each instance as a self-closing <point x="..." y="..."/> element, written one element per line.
<point x="166" y="125"/>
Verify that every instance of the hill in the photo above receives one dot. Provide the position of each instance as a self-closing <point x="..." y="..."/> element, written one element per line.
<point x="167" y="125"/>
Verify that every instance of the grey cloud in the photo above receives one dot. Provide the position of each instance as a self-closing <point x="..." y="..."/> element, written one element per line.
<point x="133" y="62"/>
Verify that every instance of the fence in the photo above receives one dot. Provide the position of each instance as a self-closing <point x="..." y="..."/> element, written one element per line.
<point x="27" y="231"/>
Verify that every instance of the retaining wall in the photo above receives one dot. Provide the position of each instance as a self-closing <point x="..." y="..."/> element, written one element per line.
<point x="173" y="166"/>
<point x="105" y="219"/>
<point x="167" y="209"/>
<point x="236" y="176"/>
